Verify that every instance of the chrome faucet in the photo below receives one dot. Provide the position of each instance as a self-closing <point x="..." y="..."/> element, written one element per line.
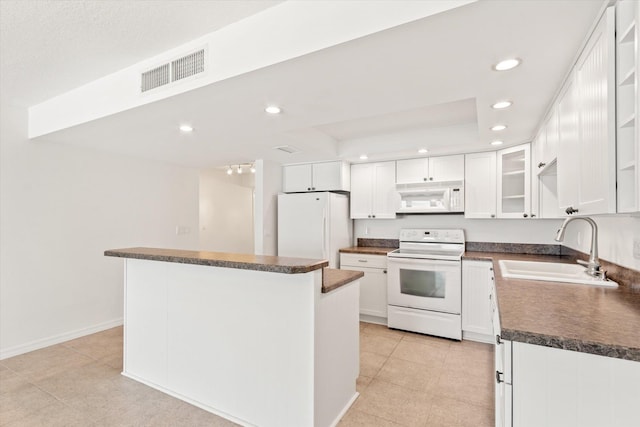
<point x="593" y="265"/>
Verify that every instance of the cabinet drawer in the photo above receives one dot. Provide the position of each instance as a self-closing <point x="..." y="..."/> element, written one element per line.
<point x="362" y="260"/>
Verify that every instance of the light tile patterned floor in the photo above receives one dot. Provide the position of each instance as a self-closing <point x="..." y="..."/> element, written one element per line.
<point x="406" y="380"/>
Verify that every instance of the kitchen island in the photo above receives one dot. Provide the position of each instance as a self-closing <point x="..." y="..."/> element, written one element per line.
<point x="259" y="340"/>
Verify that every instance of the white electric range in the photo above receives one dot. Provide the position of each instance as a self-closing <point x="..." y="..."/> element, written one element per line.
<point x="424" y="285"/>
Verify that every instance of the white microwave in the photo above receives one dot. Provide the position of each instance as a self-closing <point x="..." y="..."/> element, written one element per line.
<point x="431" y="197"/>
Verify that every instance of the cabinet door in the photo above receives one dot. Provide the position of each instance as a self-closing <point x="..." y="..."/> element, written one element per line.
<point x="412" y="171"/>
<point x="297" y="178"/>
<point x="447" y="168"/>
<point x="480" y="185"/>
<point x="386" y="199"/>
<point x="514" y="182"/>
<point x="550" y="150"/>
<point x="567" y="151"/>
<point x="373" y="286"/>
<point x="361" y="197"/>
<point x="554" y="387"/>
<point x="476" y="312"/>
<point x="595" y="80"/>
<point x="327" y="176"/>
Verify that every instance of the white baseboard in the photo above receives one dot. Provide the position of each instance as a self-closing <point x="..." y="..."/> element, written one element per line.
<point x="57" y="339"/>
<point x="345" y="409"/>
<point x="475" y="336"/>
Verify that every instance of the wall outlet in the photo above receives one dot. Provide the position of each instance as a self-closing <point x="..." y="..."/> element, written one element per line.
<point x="181" y="229"/>
<point x="636" y="248"/>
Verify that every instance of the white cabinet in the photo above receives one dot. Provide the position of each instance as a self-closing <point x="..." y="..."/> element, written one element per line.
<point x="373" y="191"/>
<point x="567" y="150"/>
<point x="514" y="182"/>
<point x="436" y="169"/>
<point x="554" y="387"/>
<point x="476" y="312"/>
<point x="628" y="105"/>
<point x="325" y="176"/>
<point x="412" y="170"/>
<point x="595" y="91"/>
<point x="480" y="185"/>
<point x="373" y="286"/>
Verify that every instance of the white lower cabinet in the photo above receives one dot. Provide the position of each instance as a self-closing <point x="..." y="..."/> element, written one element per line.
<point x="554" y="387"/>
<point x="476" y="312"/>
<point x="373" y="286"/>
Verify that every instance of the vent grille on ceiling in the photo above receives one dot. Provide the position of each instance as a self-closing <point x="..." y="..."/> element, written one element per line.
<point x="178" y="69"/>
<point x="287" y="149"/>
<point x="187" y="66"/>
<point x="159" y="76"/>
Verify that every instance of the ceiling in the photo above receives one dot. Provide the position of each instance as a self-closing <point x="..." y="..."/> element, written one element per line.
<point x="425" y="84"/>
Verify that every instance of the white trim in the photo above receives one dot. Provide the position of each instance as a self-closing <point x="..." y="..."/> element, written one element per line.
<point x="57" y="339"/>
<point x="200" y="405"/>
<point x="344" y="410"/>
<point x="477" y="337"/>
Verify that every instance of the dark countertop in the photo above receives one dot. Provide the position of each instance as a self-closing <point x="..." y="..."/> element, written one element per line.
<point x="273" y="264"/>
<point x="333" y="278"/>
<point x="366" y="250"/>
<point x="589" y="319"/>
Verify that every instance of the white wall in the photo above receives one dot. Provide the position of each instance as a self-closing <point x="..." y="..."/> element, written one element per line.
<point x="60" y="208"/>
<point x="226" y="212"/>
<point x="616" y="234"/>
<point x="268" y="185"/>
<point x="541" y="231"/>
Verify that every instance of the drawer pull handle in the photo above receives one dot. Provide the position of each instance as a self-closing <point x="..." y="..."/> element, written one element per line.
<point x="362" y="260"/>
<point x="498" y="377"/>
<point x="498" y="340"/>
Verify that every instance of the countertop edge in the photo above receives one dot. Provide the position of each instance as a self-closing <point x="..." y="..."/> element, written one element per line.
<point x="582" y="346"/>
<point x="367" y="250"/>
<point x="333" y="278"/>
<point x="241" y="265"/>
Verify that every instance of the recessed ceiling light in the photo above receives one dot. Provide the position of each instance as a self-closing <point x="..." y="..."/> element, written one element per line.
<point x="186" y="128"/>
<point x="507" y="64"/>
<point x="422" y="150"/>
<point x="499" y="127"/>
<point x="273" y="109"/>
<point x="501" y="104"/>
<point x="496" y="143"/>
<point x="363" y="157"/>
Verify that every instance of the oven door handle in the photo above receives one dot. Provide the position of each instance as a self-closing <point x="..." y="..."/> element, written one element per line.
<point x="423" y="262"/>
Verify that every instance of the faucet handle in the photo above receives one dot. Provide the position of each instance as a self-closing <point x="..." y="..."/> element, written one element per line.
<point x="585" y="263"/>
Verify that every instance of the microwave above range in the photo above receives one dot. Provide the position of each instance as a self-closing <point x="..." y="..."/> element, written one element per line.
<point x="436" y="197"/>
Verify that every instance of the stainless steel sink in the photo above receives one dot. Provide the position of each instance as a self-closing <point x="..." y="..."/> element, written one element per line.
<point x="551" y="272"/>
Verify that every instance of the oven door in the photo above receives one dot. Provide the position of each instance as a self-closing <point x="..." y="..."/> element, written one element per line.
<point x="425" y="284"/>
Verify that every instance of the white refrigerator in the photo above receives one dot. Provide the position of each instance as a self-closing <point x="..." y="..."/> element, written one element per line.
<point x="313" y="225"/>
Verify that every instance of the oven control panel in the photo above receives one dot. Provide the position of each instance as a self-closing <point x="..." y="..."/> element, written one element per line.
<point x="432" y="235"/>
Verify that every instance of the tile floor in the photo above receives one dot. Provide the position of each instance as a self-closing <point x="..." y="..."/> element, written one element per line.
<point x="406" y="380"/>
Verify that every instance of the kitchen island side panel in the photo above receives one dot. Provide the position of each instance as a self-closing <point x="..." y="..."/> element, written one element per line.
<point x="239" y="343"/>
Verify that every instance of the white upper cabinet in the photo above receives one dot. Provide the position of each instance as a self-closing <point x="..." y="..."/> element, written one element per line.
<point x="432" y="169"/>
<point x="514" y="182"/>
<point x="446" y="168"/>
<point x="595" y="91"/>
<point x="628" y="105"/>
<point x="373" y="191"/>
<point x="325" y="176"/>
<point x="480" y="185"/>
<point x="567" y="150"/>
<point x="412" y="171"/>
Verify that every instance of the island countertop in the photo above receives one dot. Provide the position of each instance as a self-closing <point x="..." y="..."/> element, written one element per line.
<point x="273" y="264"/>
<point x="589" y="319"/>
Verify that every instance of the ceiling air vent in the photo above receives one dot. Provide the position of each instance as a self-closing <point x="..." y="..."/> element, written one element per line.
<point x="287" y="149"/>
<point x="187" y="66"/>
<point x="157" y="77"/>
<point x="177" y="69"/>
